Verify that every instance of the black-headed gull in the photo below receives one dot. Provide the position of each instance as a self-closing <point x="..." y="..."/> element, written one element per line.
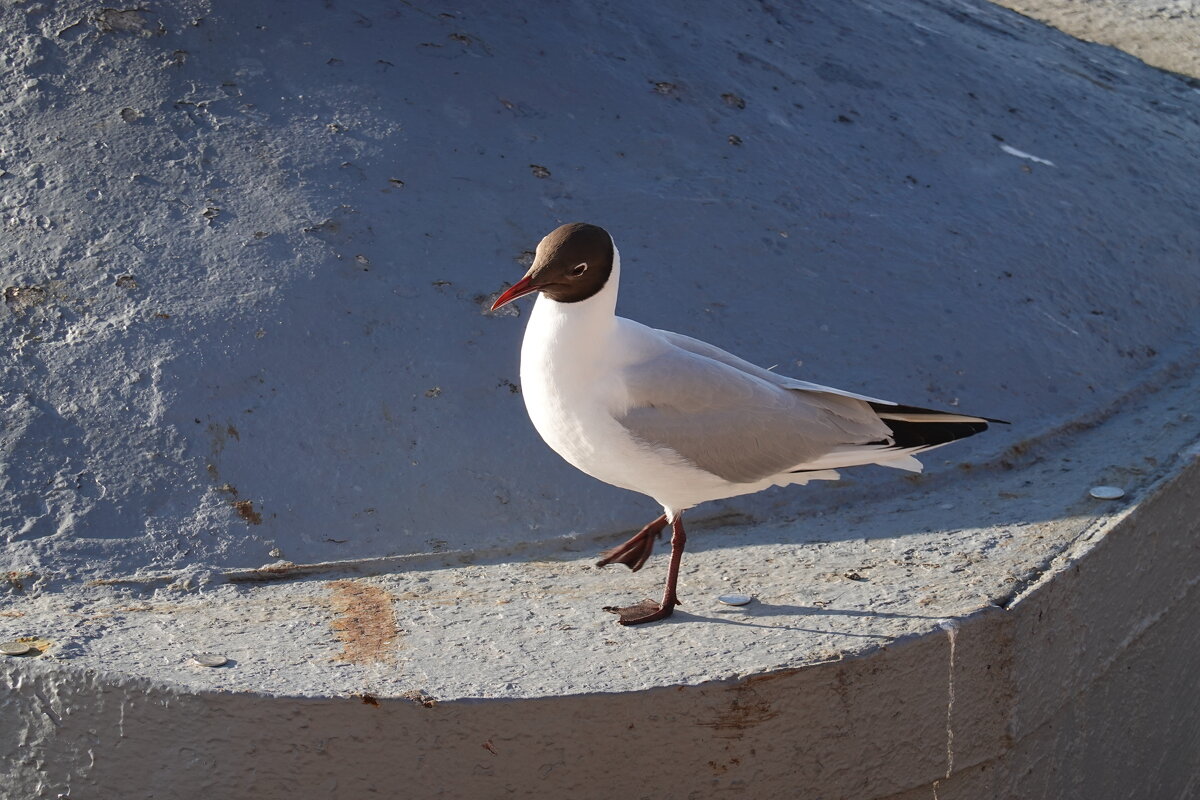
<point x="679" y="419"/>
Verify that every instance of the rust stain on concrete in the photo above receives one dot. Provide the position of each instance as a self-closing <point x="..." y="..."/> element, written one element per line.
<point x="745" y="710"/>
<point x="366" y="622"/>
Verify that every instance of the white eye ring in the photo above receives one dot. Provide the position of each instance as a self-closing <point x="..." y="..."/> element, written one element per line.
<point x="578" y="270"/>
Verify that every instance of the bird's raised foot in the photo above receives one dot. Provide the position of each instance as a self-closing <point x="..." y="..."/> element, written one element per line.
<point x="634" y="552"/>
<point x="641" y="613"/>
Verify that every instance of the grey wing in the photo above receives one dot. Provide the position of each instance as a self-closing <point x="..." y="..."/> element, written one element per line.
<point x="717" y="354"/>
<point x="734" y="424"/>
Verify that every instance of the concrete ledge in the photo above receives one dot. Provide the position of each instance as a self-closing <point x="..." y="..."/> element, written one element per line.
<point x="1058" y="691"/>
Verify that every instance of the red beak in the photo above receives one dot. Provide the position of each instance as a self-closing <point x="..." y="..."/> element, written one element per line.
<point x="519" y="289"/>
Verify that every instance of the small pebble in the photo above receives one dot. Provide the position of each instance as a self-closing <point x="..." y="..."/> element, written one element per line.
<point x="1107" y="492"/>
<point x="735" y="599"/>
<point x="210" y="660"/>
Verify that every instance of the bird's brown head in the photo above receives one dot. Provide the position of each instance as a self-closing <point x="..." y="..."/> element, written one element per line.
<point x="572" y="263"/>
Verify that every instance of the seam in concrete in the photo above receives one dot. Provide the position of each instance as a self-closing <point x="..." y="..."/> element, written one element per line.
<point x="1023" y="452"/>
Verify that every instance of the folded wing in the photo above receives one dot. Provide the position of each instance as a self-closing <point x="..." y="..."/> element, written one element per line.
<point x="746" y="424"/>
<point x="717" y="354"/>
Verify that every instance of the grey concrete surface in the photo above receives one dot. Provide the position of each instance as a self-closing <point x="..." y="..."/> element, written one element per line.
<point x="1082" y="685"/>
<point x="249" y="253"/>
<point x="826" y="587"/>
<point x="207" y="223"/>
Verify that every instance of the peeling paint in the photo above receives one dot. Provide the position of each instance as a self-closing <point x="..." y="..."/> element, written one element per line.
<point x="245" y="509"/>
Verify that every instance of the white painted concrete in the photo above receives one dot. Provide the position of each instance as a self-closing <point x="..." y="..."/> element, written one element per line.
<point x="1083" y="686"/>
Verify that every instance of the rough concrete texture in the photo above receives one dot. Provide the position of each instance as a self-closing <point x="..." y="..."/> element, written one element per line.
<point x="826" y="587"/>
<point x="247" y="263"/>
<point x="250" y="248"/>
<point x="1085" y="686"/>
<point x="1164" y="34"/>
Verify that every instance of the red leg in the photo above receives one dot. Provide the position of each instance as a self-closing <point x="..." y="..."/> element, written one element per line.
<point x="634" y="552"/>
<point x="648" y="610"/>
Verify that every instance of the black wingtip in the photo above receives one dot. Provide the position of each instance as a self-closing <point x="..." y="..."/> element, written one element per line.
<point x="940" y="427"/>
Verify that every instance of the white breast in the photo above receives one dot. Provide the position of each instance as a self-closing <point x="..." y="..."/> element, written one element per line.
<point x="572" y="359"/>
<point x="567" y="381"/>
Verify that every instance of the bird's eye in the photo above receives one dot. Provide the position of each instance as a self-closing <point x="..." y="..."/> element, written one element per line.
<point x="578" y="270"/>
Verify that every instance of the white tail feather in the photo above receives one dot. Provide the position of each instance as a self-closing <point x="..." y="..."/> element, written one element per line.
<point x="933" y="416"/>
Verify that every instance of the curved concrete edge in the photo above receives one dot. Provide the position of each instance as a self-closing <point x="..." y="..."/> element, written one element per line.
<point x="1083" y="686"/>
<point x="937" y="201"/>
<point x="1099" y="657"/>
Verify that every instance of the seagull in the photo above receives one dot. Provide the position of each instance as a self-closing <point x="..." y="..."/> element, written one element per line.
<point x="678" y="419"/>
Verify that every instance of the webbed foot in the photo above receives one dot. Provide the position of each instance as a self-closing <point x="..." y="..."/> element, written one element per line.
<point x="641" y="613"/>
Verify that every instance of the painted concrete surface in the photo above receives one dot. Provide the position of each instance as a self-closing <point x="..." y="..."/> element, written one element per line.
<point x="247" y="265"/>
<point x="1083" y="685"/>
<point x="827" y="586"/>
<point x="249" y="254"/>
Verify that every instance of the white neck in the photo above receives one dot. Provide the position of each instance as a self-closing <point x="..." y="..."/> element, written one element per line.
<point x="581" y="322"/>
